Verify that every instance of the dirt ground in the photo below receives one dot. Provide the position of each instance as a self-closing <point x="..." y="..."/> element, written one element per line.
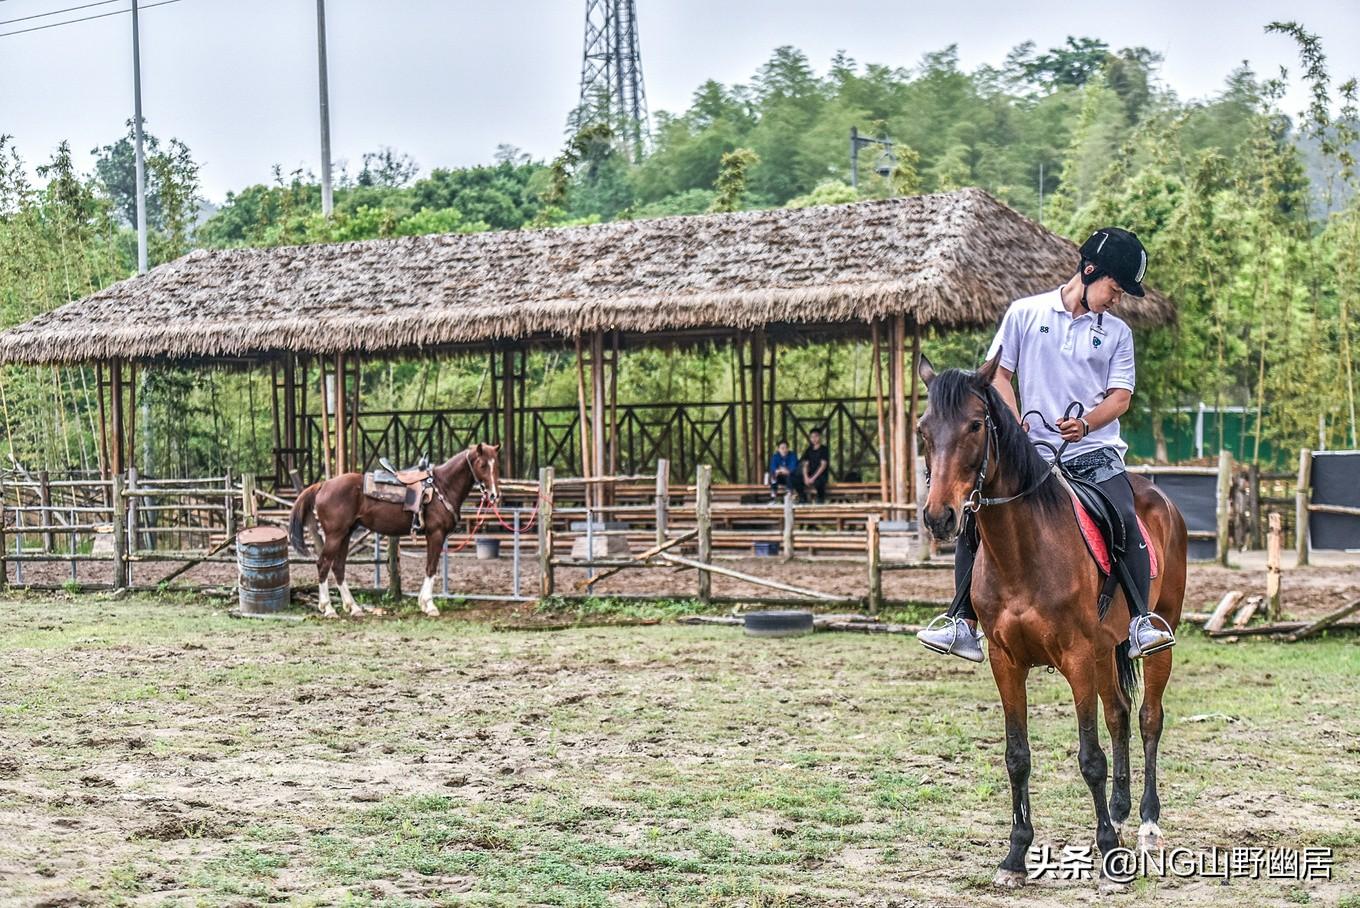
<point x="158" y="752"/>
<point x="1331" y="582"/>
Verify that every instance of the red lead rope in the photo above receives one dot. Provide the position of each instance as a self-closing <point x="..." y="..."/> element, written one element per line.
<point x="480" y="518"/>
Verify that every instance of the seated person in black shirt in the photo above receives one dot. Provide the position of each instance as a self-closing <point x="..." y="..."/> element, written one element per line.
<point x="815" y="468"/>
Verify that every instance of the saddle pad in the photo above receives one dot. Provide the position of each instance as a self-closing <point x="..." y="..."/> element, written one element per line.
<point x="1095" y="542"/>
<point x="383" y="491"/>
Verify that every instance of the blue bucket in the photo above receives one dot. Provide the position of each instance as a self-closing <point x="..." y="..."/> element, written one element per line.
<point x="767" y="549"/>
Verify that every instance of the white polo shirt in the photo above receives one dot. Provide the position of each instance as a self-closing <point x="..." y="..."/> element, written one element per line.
<point x="1059" y="359"/>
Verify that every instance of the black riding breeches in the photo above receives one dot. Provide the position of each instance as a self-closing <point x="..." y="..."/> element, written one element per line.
<point x="1136" y="557"/>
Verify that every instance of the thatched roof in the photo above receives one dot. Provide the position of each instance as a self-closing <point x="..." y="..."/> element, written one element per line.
<point x="949" y="259"/>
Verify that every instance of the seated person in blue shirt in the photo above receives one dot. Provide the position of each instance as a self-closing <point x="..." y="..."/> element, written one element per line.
<point x="783" y="466"/>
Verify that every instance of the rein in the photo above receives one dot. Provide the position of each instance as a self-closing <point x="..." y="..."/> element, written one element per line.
<point x="975" y="500"/>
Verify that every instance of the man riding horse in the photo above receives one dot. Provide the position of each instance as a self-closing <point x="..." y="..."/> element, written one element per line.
<point x="1066" y="345"/>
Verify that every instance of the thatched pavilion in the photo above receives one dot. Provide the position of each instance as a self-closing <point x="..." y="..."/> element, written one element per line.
<point x="758" y="280"/>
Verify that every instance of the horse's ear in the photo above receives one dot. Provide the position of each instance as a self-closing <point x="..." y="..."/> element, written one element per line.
<point x="988" y="370"/>
<point x="926" y="370"/>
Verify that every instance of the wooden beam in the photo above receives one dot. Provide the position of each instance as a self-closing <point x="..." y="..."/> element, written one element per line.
<point x="1274" y="541"/>
<point x="899" y="445"/>
<point x="586" y="459"/>
<point x="754" y="459"/>
<point x="705" y="569"/>
<point x="759" y="450"/>
<point x="915" y="366"/>
<point x="884" y="463"/>
<point x="116" y="448"/>
<point x="324" y="398"/>
<point x="703" y="518"/>
<point x="508" y="458"/>
<point x="639" y="560"/>
<point x="545" y="534"/>
<point x="1302" y="494"/>
<point x="105" y="466"/>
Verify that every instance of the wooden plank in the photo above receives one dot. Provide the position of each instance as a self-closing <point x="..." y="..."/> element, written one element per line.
<point x="1220" y="613"/>
<point x="884" y="464"/>
<point x="914" y="367"/>
<point x="1325" y="621"/>
<point x="705" y="569"/>
<point x="1274" y="542"/>
<point x="899" y="389"/>
<point x="1302" y="493"/>
<point x="325" y="420"/>
<point x="703" y="503"/>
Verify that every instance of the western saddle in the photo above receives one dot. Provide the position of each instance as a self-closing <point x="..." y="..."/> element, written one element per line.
<point x="411" y="488"/>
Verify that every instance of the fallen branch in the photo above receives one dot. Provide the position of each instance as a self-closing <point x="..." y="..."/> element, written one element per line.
<point x="1325" y="621"/>
<point x="750" y="578"/>
<point x="650" y="553"/>
<point x="1220" y="614"/>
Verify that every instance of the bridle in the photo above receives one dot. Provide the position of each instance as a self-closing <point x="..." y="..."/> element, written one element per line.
<point x="476" y="483"/>
<point x="976" y="500"/>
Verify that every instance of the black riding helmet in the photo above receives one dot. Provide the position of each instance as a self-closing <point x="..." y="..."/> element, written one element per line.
<point x="1118" y="253"/>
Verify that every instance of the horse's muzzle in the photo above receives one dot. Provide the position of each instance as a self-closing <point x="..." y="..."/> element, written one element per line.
<point x="944" y="526"/>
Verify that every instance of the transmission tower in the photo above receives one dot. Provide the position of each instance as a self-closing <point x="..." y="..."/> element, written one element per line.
<point x="611" y="75"/>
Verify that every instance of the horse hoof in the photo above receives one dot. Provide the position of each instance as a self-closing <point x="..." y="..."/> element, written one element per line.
<point x="329" y="613"/>
<point x="1008" y="879"/>
<point x="1107" y="886"/>
<point x="1150" y="837"/>
<point x="432" y="610"/>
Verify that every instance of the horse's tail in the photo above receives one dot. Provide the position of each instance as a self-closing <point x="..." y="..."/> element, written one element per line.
<point x="297" y="518"/>
<point x="1127" y="670"/>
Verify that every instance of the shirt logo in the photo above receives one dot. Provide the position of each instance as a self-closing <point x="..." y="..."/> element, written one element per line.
<point x="1043" y="329"/>
<point x="1095" y="342"/>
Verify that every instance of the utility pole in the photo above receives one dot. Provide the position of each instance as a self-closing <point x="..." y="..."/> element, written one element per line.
<point x="886" y="161"/>
<point x="137" y="138"/>
<point x="326" y="201"/>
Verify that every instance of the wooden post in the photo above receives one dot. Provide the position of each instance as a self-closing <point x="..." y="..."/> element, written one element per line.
<point x="290" y="407"/>
<point x="116" y="416"/>
<point x="341" y="417"/>
<point x="1274" y="540"/>
<point x="703" y="503"/>
<point x="597" y="409"/>
<point x="545" y="535"/>
<point x="120" y="578"/>
<point x="229" y="500"/>
<point x="757" y="404"/>
<point x="884" y="464"/>
<point x="130" y="513"/>
<point x="394" y="568"/>
<point x="508" y="441"/>
<point x="249" y="511"/>
<point x="586" y="459"/>
<point x="875" y="566"/>
<point x="788" y="525"/>
<point x="1254" y="505"/>
<point x="105" y="466"/>
<point x="1225" y="467"/>
<point x="45" y="501"/>
<point x="899" y="411"/>
<point x="614" y="411"/>
<point x="663" y="498"/>
<point x="1302" y="495"/>
<point x="325" y="419"/>
<point x="4" y="563"/>
<point x="915" y="366"/>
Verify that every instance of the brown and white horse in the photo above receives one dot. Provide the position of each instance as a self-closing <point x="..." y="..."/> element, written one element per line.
<point x="340" y="506"/>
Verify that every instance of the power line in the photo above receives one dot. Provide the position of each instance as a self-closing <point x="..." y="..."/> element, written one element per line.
<point x="117" y="12"/>
<point x="56" y="12"/>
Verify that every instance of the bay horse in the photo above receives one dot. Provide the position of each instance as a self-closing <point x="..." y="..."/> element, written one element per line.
<point x="1035" y="589"/>
<point x="340" y="506"/>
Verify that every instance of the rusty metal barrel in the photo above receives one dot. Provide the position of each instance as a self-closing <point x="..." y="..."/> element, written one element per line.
<point x="262" y="557"/>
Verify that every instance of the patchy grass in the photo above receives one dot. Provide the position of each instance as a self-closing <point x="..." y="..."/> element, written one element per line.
<point x="159" y="752"/>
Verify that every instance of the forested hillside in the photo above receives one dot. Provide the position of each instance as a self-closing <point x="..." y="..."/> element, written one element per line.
<point x="1249" y="212"/>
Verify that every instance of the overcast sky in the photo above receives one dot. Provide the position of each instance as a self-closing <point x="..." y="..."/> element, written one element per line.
<point x="447" y="80"/>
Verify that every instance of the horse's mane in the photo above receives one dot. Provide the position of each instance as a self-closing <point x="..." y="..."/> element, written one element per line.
<point x="949" y="393"/>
